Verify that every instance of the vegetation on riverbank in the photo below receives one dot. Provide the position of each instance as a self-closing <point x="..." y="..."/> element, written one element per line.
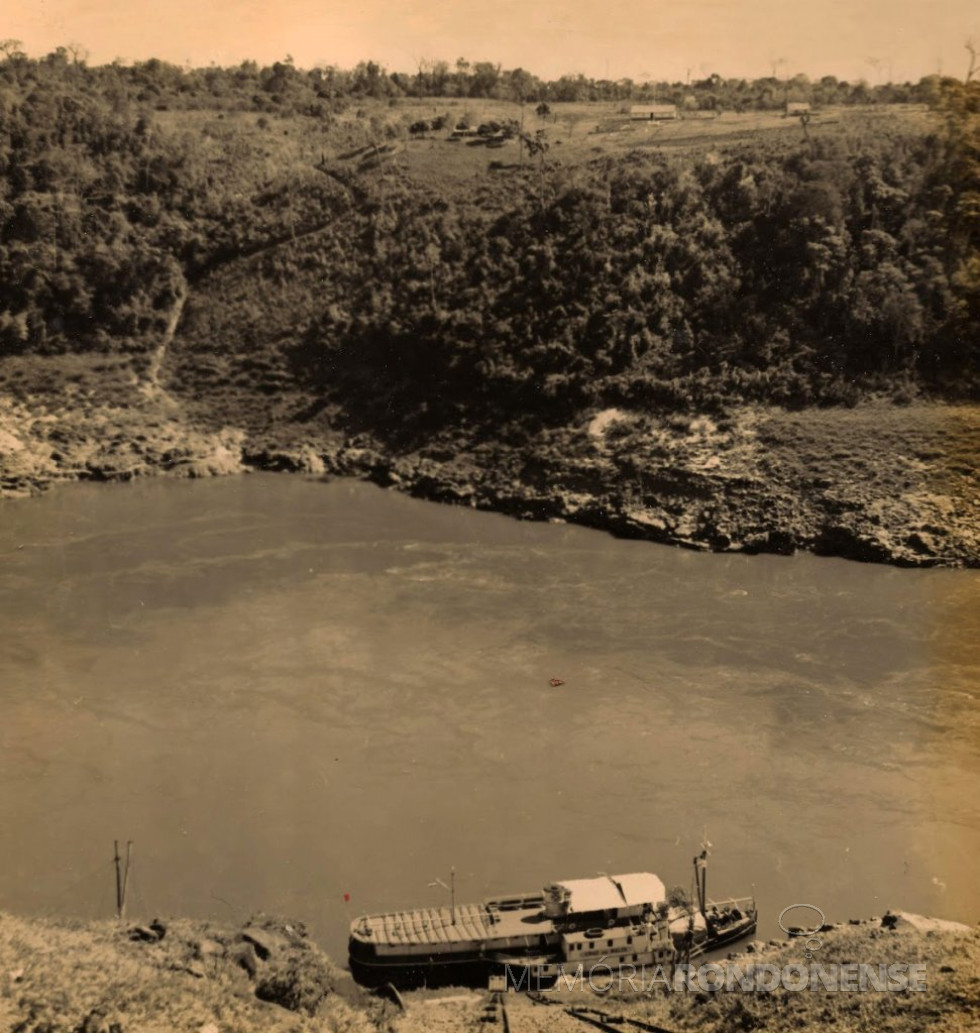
<point x="203" y="272"/>
<point x="106" y="977"/>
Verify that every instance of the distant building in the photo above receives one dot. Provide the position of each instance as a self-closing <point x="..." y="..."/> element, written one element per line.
<point x="797" y="107"/>
<point x="653" y="112"/>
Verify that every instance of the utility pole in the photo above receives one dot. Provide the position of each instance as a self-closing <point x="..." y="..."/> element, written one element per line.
<point x="122" y="876"/>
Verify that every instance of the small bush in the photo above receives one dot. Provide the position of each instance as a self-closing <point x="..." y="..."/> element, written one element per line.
<point x="298" y="983"/>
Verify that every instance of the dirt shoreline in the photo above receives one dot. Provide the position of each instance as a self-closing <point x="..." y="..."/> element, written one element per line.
<point x="876" y="483"/>
<point x="106" y="976"/>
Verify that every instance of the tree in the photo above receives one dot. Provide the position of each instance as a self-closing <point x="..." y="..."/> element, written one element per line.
<point x="79" y="54"/>
<point x="485" y="78"/>
<point x="521" y="84"/>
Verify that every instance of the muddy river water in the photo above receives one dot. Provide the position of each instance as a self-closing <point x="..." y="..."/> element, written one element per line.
<point x="285" y="691"/>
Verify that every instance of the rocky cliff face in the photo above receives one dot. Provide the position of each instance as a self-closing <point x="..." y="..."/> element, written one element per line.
<point x="878" y="483"/>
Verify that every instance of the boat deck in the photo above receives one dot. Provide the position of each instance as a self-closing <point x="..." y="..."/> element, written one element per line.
<point x="473" y="924"/>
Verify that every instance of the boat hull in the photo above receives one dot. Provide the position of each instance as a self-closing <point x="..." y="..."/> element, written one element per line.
<point x="475" y="969"/>
<point x="730" y="934"/>
<point x="417" y="973"/>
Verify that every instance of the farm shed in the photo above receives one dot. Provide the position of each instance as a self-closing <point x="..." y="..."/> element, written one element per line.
<point x="652" y="112"/>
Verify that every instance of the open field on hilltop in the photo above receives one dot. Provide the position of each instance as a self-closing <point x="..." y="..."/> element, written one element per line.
<point x="576" y="132"/>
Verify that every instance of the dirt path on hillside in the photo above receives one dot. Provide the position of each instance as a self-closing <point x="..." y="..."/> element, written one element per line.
<point x="152" y="386"/>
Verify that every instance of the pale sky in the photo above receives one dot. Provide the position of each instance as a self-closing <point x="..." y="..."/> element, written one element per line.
<point x="619" y="38"/>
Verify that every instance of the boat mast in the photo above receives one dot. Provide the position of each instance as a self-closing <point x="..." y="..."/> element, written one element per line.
<point x="452" y="890"/>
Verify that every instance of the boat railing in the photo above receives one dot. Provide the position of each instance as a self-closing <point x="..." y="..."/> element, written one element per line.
<point x="743" y="903"/>
<point x="734" y="911"/>
<point x="518" y="902"/>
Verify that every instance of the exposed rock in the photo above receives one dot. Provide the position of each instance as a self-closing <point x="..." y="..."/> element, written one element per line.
<point x="746" y="488"/>
<point x="782" y="543"/>
<point x="298" y="983"/>
<point x="265" y="941"/>
<point x="208" y="948"/>
<point x="144" y="934"/>
<point x="899" y="919"/>
<point x="246" y="958"/>
<point x="841" y="540"/>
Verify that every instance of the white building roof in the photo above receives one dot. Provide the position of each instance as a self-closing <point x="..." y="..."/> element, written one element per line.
<point x="613" y="892"/>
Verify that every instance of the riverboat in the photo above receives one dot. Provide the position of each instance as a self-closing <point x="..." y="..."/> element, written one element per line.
<point x="571" y="927"/>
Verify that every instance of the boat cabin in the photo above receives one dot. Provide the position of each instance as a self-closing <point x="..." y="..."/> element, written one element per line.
<point x="610" y="897"/>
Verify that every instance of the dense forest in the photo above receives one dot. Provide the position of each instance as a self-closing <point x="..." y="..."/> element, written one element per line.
<point x="788" y="277"/>
<point x="811" y="270"/>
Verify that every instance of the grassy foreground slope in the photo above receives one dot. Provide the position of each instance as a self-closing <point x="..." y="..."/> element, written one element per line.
<point x="95" y="977"/>
<point x="731" y="332"/>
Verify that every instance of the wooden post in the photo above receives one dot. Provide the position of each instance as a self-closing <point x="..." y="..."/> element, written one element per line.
<point x="119" y="885"/>
<point x="122" y="876"/>
<point x="452" y="891"/>
<point x="125" y="883"/>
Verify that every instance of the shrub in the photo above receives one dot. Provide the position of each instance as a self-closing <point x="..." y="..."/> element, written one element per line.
<point x="298" y="982"/>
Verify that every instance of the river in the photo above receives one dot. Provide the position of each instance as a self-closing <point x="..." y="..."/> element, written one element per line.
<point x="284" y="691"/>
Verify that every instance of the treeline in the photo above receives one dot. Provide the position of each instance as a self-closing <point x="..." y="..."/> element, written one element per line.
<point x="284" y="88"/>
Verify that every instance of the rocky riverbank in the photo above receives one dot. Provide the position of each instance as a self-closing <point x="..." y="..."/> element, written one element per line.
<point x="879" y="482"/>
<point x="945" y="956"/>
<point x="72" y="976"/>
<point x="108" y="977"/>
